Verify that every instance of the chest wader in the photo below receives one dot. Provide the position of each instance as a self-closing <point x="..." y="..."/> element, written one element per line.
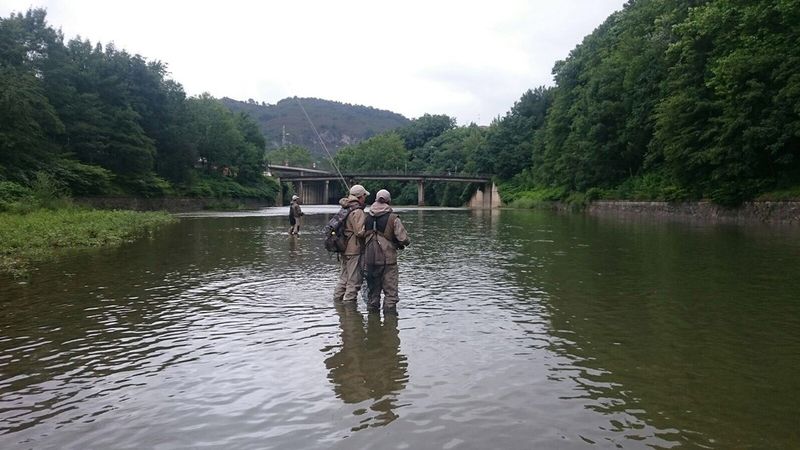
<point x="373" y="258"/>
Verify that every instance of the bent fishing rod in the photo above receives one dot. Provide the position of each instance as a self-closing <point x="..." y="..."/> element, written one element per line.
<point x="324" y="147"/>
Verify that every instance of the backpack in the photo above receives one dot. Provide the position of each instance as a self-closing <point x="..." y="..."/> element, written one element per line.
<point x="335" y="240"/>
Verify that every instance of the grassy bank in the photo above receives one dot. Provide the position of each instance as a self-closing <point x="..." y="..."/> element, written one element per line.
<point x="39" y="235"/>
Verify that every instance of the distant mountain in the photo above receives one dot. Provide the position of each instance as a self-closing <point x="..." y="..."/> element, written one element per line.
<point x="339" y="124"/>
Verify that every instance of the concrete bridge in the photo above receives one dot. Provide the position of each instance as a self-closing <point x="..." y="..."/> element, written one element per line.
<point x="313" y="185"/>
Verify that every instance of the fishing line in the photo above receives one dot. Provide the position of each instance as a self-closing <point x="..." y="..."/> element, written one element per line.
<point x="325" y="147"/>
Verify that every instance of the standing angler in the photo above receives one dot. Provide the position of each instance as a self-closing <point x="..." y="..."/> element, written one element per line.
<point x="350" y="277"/>
<point x="384" y="227"/>
<point x="294" y="215"/>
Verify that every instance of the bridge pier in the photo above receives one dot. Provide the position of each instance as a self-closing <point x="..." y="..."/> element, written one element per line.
<point x="486" y="197"/>
<point x="326" y="195"/>
<point x="420" y="193"/>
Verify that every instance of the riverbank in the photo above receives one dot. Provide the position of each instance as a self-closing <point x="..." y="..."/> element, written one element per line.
<point x="785" y="212"/>
<point x="42" y="234"/>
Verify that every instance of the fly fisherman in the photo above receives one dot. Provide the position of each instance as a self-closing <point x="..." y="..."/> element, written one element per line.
<point x="350" y="277"/>
<point x="384" y="225"/>
<point x="294" y="215"/>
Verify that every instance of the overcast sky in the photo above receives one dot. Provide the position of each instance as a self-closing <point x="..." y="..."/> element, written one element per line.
<point x="468" y="59"/>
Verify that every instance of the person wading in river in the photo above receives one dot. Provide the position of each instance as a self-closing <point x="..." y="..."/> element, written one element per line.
<point x="294" y="215"/>
<point x="350" y="276"/>
<point x="385" y="227"/>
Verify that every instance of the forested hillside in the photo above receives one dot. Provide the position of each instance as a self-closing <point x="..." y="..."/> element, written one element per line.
<point x="339" y="124"/>
<point x="675" y="99"/>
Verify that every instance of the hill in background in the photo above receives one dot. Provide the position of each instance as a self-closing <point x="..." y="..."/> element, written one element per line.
<point x="339" y="124"/>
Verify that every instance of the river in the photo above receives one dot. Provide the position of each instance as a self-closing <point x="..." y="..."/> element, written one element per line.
<point x="516" y="329"/>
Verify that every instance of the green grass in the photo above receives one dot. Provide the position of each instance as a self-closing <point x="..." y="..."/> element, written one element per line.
<point x="39" y="235"/>
<point x="783" y="195"/>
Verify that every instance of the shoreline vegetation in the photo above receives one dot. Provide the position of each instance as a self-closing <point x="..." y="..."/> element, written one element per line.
<point x="39" y="221"/>
<point x="518" y="197"/>
<point x="773" y="207"/>
<point x="31" y="237"/>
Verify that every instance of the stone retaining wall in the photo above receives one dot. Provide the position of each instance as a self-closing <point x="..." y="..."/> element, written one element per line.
<point x="771" y="212"/>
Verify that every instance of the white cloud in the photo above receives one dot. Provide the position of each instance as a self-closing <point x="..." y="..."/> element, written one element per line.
<point x="468" y="59"/>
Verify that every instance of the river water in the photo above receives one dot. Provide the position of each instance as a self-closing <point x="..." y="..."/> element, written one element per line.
<point x="516" y="329"/>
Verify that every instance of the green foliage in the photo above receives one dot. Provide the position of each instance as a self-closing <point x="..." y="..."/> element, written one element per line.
<point x="14" y="196"/>
<point x="652" y="186"/>
<point x="147" y="185"/>
<point x="730" y="123"/>
<point x="511" y="140"/>
<point x="292" y="155"/>
<point x="227" y="188"/>
<point x="668" y="100"/>
<point x="781" y="195"/>
<point x="103" y="121"/>
<point x="533" y="198"/>
<point x="423" y="129"/>
<point x="381" y="153"/>
<point x="49" y="193"/>
<point x="81" y="179"/>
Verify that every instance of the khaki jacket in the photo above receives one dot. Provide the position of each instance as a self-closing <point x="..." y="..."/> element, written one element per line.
<point x="295" y="210"/>
<point x="399" y="232"/>
<point x="353" y="227"/>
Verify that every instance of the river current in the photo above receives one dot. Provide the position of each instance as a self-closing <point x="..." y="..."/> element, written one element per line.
<point x="516" y="329"/>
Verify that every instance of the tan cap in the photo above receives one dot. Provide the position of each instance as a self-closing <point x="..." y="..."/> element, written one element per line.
<point x="358" y="190"/>
<point x="383" y="194"/>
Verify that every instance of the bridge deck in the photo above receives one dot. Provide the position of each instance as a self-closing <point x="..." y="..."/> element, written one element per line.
<point x="395" y="177"/>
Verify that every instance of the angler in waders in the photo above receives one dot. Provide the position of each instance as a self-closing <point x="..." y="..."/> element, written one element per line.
<point x="383" y="228"/>
<point x="350" y="277"/>
<point x="294" y="216"/>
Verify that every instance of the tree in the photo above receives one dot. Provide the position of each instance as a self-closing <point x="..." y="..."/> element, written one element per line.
<point x="729" y="125"/>
<point x="510" y="139"/>
<point x="425" y="128"/>
<point x="381" y="153"/>
<point x="292" y="155"/>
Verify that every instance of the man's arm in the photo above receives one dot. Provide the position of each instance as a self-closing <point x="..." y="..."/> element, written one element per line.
<point x="401" y="234"/>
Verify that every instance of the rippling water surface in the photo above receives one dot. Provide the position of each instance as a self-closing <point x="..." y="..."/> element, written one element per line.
<point x="517" y="329"/>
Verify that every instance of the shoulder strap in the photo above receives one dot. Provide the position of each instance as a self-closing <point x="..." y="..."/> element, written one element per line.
<point x="388" y="232"/>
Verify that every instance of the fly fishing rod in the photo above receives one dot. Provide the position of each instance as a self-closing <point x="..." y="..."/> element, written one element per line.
<point x="324" y="147"/>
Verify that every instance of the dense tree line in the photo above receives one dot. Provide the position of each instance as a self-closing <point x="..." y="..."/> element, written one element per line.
<point x="666" y="100"/>
<point x="677" y="99"/>
<point x="103" y="121"/>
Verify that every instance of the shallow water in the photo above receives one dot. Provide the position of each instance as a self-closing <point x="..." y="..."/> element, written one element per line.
<point x="517" y="329"/>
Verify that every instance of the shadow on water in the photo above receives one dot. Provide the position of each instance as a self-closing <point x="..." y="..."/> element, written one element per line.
<point x="368" y="366"/>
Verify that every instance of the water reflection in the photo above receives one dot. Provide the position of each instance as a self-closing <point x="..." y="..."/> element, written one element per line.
<point x="368" y="366"/>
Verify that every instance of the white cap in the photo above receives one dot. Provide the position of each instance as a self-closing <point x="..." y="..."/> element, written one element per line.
<point x="383" y="194"/>
<point x="294" y="197"/>
<point x="358" y="190"/>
